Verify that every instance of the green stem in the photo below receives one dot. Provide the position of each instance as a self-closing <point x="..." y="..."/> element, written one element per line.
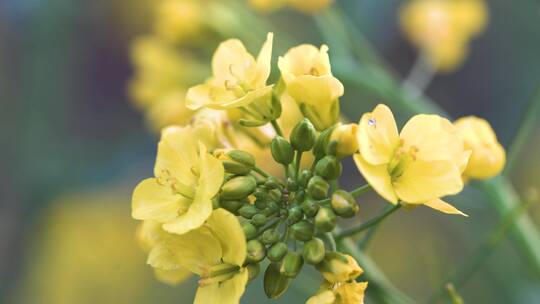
<point x="380" y="288"/>
<point x="298" y="162"/>
<point x="484" y="251"/>
<point x="261" y="172"/>
<point x="382" y="84"/>
<point x="360" y="190"/>
<point x="419" y="77"/>
<point x="277" y="127"/>
<point x="372" y="222"/>
<point x="331" y="241"/>
<point x="530" y="117"/>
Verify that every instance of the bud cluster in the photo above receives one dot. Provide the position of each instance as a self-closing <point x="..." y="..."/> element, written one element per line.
<point x="286" y="221"/>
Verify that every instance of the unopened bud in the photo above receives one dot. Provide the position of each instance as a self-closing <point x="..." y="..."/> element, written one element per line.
<point x="282" y="151"/>
<point x="272" y="183"/>
<point x="329" y="167"/>
<point x="325" y="220"/>
<point x="314" y="251"/>
<point x="249" y="230"/>
<point x="302" y="231"/>
<point x="317" y="188"/>
<point x="255" y="251"/>
<point x="259" y="219"/>
<point x="320" y="148"/>
<point x="275" y="283"/>
<point x="269" y="237"/>
<point x="292" y="264"/>
<point x="338" y="267"/>
<point x="303" y="136"/>
<point x="231" y="206"/>
<point x="248" y="211"/>
<point x="238" y="188"/>
<point x="295" y="214"/>
<point x="303" y="177"/>
<point x="344" y="204"/>
<point x="310" y="208"/>
<point x="277" y="252"/>
<point x="253" y="271"/>
<point x="291" y="184"/>
<point x="345" y="138"/>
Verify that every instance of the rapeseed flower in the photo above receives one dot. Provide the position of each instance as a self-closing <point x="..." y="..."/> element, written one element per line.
<point x="340" y="293"/>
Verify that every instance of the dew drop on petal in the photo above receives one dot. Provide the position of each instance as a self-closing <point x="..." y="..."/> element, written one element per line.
<point x="372" y="122"/>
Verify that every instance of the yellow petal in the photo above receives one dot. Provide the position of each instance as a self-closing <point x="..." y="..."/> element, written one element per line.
<point x="423" y="181"/>
<point x="196" y="250"/>
<point x="226" y="292"/>
<point x="172" y="277"/>
<point x="198" y="212"/>
<point x="211" y="173"/>
<point x="231" y="57"/>
<point x="226" y="227"/>
<point x="315" y="90"/>
<point x="152" y="201"/>
<point x="149" y="233"/>
<point x="377" y="177"/>
<point x="324" y="297"/>
<point x="433" y="138"/>
<point x="443" y="207"/>
<point x="264" y="62"/>
<point x="351" y="293"/>
<point x="378" y="135"/>
<point x="208" y="95"/>
<point x="177" y="153"/>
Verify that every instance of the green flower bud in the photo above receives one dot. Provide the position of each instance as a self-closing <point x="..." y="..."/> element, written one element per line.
<point x="236" y="162"/>
<point x="325" y="220"/>
<point x="253" y="271"/>
<point x="281" y="150"/>
<point x="259" y="219"/>
<point x="303" y="177"/>
<point x="269" y="237"/>
<point x="344" y="204"/>
<point x="292" y="264"/>
<point x="275" y="284"/>
<point x="318" y="188"/>
<point x="238" y="188"/>
<point x="314" y="251"/>
<point x="271" y="208"/>
<point x="250" y="231"/>
<point x="277" y="252"/>
<point x="329" y="167"/>
<point x="302" y="231"/>
<point x="272" y="183"/>
<point x="310" y="208"/>
<point x="320" y="148"/>
<point x="260" y="204"/>
<point x="275" y="195"/>
<point x="303" y="136"/>
<point x="299" y="196"/>
<point x="248" y="211"/>
<point x="231" y="206"/>
<point x="291" y="185"/>
<point x="255" y="251"/>
<point x="242" y="157"/>
<point x="295" y="214"/>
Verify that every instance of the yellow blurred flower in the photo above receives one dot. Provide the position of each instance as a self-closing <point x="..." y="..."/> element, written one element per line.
<point x="417" y="166"/>
<point x="345" y="137"/>
<point x="443" y="28"/>
<point x="178" y="20"/>
<point x="215" y="251"/>
<point x="488" y="156"/>
<point x="340" y="293"/>
<point x="82" y="251"/>
<point x="305" y="6"/>
<point x="307" y="74"/>
<point x="186" y="180"/>
<point x="238" y="82"/>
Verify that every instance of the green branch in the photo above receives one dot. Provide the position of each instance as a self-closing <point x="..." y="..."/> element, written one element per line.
<point x="372" y="222"/>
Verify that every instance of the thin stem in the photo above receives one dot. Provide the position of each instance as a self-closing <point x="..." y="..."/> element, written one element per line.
<point x="360" y="190"/>
<point x="261" y="172"/>
<point x="298" y="162"/>
<point x="485" y="250"/>
<point x="530" y="117"/>
<point x="374" y="221"/>
<point x="419" y="77"/>
<point x="331" y="241"/>
<point x="367" y="237"/>
<point x="277" y="127"/>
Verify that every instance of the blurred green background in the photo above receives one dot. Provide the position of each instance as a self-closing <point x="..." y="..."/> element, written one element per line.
<point x="73" y="147"/>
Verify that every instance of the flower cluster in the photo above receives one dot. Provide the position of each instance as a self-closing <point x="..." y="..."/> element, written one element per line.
<point x="213" y="211"/>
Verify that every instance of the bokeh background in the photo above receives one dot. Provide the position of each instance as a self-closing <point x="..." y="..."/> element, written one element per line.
<point x="73" y="146"/>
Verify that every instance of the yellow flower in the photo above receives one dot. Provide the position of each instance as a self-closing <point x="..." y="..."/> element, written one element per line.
<point x="418" y="166"/>
<point x="150" y="234"/>
<point x="307" y="74"/>
<point x="340" y="293"/>
<point x="186" y="180"/>
<point x="238" y="82"/>
<point x="215" y="251"/>
<point x="178" y="19"/>
<point x="443" y="28"/>
<point x="345" y="137"/>
<point x="337" y="267"/>
<point x="488" y="156"/>
<point x="306" y="6"/>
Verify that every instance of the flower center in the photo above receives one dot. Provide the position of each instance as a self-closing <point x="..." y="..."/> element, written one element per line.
<point x="218" y="273"/>
<point x="401" y="160"/>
